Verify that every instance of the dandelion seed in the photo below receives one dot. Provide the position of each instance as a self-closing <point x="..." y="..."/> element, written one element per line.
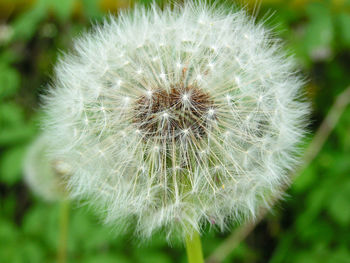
<point x="185" y="97"/>
<point x="211" y="112"/>
<point x="237" y="80"/>
<point x="162" y="76"/>
<point x="200" y="21"/>
<point x="119" y="83"/>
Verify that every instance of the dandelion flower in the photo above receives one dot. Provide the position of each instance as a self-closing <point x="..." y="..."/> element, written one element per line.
<point x="171" y="119"/>
<point x="44" y="176"/>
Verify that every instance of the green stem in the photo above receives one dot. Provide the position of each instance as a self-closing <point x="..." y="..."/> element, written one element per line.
<point x="194" y="248"/>
<point x="64" y="222"/>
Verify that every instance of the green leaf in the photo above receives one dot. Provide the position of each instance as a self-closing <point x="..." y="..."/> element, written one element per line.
<point x="305" y="180"/>
<point x="282" y="251"/>
<point x="92" y="9"/>
<point x="319" y="31"/>
<point x="42" y="222"/>
<point x="62" y="8"/>
<point x="339" y="204"/>
<point x="8" y="231"/>
<point x="11" y="165"/>
<point x="9" y="236"/>
<point x="32" y="252"/>
<point x="341" y="255"/>
<point x="27" y="23"/>
<point x="11" y="115"/>
<point x="18" y="134"/>
<point x="147" y="256"/>
<point x="320" y="231"/>
<point x="10" y="81"/>
<point x="343" y="25"/>
<point x="106" y="258"/>
<point x="13" y="128"/>
<point x="9" y="56"/>
<point x="81" y="223"/>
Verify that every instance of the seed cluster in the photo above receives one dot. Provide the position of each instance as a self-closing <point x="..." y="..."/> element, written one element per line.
<point x="171" y="118"/>
<point x="170" y="115"/>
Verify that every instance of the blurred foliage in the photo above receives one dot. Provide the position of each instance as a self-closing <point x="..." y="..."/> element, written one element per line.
<point x="313" y="224"/>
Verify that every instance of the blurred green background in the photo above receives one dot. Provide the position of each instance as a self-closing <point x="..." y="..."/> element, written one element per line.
<point x="311" y="225"/>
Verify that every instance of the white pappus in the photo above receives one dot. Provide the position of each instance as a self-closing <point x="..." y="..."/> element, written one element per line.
<point x="43" y="175"/>
<point x="170" y="119"/>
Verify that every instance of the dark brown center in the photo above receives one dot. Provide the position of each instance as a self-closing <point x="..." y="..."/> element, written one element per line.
<point x="175" y="113"/>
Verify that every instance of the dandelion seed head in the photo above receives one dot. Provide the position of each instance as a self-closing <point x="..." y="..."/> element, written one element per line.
<point x="191" y="126"/>
<point x="43" y="175"/>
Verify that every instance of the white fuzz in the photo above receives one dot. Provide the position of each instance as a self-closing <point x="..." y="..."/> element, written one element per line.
<point x="43" y="175"/>
<point x="176" y="118"/>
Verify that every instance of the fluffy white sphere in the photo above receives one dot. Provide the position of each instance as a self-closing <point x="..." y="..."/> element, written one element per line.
<point x="43" y="175"/>
<point x="175" y="118"/>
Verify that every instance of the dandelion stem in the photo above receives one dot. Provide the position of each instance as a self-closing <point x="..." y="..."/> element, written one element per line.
<point x="194" y="248"/>
<point x="64" y="222"/>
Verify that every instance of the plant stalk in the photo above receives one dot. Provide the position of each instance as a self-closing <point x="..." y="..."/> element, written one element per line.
<point x="194" y="248"/>
<point x="64" y="223"/>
